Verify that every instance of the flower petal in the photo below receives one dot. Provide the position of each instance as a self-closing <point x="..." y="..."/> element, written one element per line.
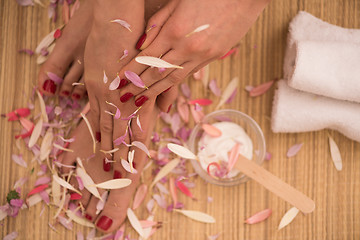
<point x="181" y="151"/>
<point x="135" y="223"/>
<point x="105" y="78"/>
<point x="142" y="147"/>
<point x="135" y="79"/>
<point x="114" y="183"/>
<point x="19" y="160"/>
<point x="228" y="91"/>
<point x="165" y="170"/>
<point x="294" y="150"/>
<point x="58" y="80"/>
<point x="198" y="29"/>
<point x="155" y="62"/>
<point x="140" y="196"/>
<point x="261" y="89"/>
<point x="259" y="217"/>
<point x="214" y="88"/>
<point x="122" y="23"/>
<point x="197" y="216"/>
<point x="201" y="102"/>
<point x="211" y="130"/>
<point x="36" y="133"/>
<point x="64" y="183"/>
<point x="288" y="217"/>
<point x="114" y="84"/>
<point x="335" y="154"/>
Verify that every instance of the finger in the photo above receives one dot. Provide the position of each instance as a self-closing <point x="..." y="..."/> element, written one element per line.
<point x="74" y="75"/>
<point x="165" y="100"/>
<point x="106" y="130"/>
<point x="79" y="90"/>
<point x="152" y="75"/>
<point x="155" y="24"/>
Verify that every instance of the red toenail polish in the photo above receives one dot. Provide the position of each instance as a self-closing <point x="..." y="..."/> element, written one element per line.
<point x="141" y="41"/>
<point x="57" y="33"/>
<point x="88" y="217"/>
<point x="76" y="96"/>
<point x="104" y="223"/>
<point x="169" y="108"/>
<point x="123" y="83"/>
<point x="66" y="93"/>
<point x="134" y="165"/>
<point x="75" y="196"/>
<point x="49" y="86"/>
<point x="167" y="90"/>
<point x="98" y="136"/>
<point x="117" y="174"/>
<point x="141" y="100"/>
<point x="107" y="166"/>
<point x="126" y="97"/>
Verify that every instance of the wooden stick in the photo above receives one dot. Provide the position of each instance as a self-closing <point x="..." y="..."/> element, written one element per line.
<point x="275" y="185"/>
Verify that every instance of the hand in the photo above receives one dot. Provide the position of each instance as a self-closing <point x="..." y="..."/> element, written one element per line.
<point x="170" y="35"/>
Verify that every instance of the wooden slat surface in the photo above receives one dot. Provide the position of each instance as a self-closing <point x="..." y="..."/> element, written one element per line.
<point x="336" y="194"/>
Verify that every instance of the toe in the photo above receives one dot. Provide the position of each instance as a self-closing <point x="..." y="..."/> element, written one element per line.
<point x="72" y="76"/>
<point x="79" y="90"/>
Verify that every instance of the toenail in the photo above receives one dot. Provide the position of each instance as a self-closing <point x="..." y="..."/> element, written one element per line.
<point x="49" y="86"/>
<point x="141" y="100"/>
<point x="126" y="97"/>
<point x="117" y="174"/>
<point x="88" y="217"/>
<point x="169" y="108"/>
<point x="98" y="136"/>
<point x="141" y="41"/>
<point x="75" y="196"/>
<point x="134" y="165"/>
<point x="106" y="165"/>
<point x="57" y="33"/>
<point x="76" y="96"/>
<point x="66" y="93"/>
<point x="123" y="83"/>
<point x="104" y="223"/>
<point x="167" y="90"/>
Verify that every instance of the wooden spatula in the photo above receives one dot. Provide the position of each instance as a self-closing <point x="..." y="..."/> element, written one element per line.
<point x="275" y="185"/>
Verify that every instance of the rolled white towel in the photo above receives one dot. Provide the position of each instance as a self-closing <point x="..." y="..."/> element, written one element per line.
<point x="323" y="58"/>
<point x="297" y="111"/>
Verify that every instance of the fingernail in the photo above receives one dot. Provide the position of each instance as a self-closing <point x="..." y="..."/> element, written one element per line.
<point x="141" y="41"/>
<point x="123" y="83"/>
<point x="134" y="165"/>
<point x="66" y="93"/>
<point x="169" y="108"/>
<point x="126" y="97"/>
<point x="167" y="89"/>
<point x="98" y="136"/>
<point x="104" y="223"/>
<point x="117" y="174"/>
<point x="76" y="96"/>
<point x="49" y="86"/>
<point x="88" y="217"/>
<point x="106" y="165"/>
<point x="141" y="100"/>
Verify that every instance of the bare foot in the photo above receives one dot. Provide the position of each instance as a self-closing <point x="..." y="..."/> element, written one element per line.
<point x="66" y="60"/>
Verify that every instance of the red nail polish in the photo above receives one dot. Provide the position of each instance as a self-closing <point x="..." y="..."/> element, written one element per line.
<point x="117" y="174"/>
<point x="66" y="93"/>
<point x="169" y="108"/>
<point x="49" y="86"/>
<point x="167" y="90"/>
<point x="123" y="83"/>
<point x="76" y="96"/>
<point x="88" y="217"/>
<point x="106" y="166"/>
<point x="134" y="165"/>
<point x="141" y="100"/>
<point x="141" y="41"/>
<point x="126" y="97"/>
<point x="98" y="136"/>
<point x="104" y="223"/>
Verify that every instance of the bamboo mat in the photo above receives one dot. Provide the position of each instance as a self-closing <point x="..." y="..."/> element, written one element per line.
<point x="336" y="194"/>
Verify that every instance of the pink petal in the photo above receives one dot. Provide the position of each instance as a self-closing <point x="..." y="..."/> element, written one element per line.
<point x="126" y="53"/>
<point x="74" y="8"/>
<point x="122" y="23"/>
<point x="183" y="108"/>
<point x="27" y="51"/>
<point x="234" y="155"/>
<point x="261" y="89"/>
<point x="182" y="187"/>
<point x="80" y="182"/>
<point x="141" y="146"/>
<point x="214" y="88"/>
<point x="114" y="84"/>
<point x="38" y="189"/>
<point x="11" y="236"/>
<point x="268" y="156"/>
<point x="42" y="180"/>
<point x="161" y="201"/>
<point x="173" y="190"/>
<point x="232" y="96"/>
<point x="229" y="53"/>
<point x="45" y="197"/>
<point x="249" y="88"/>
<point x="197" y="115"/>
<point x="65" y="222"/>
<point x="139" y="196"/>
<point x="126" y="166"/>
<point x="201" y="101"/>
<point x="75" y="196"/>
<point x="259" y="217"/>
<point x="135" y="79"/>
<point x="211" y="130"/>
<point x="185" y="89"/>
<point x="19" y="160"/>
<point x="294" y="150"/>
<point x="55" y="78"/>
<point x="117" y="114"/>
<point x="25" y="2"/>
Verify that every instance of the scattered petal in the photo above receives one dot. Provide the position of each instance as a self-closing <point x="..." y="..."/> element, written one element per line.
<point x="122" y="23"/>
<point x="214" y="88"/>
<point x="56" y="79"/>
<point x="105" y="78"/>
<point x="46" y="145"/>
<point x="197" y="216"/>
<point x="12" y="235"/>
<point x="140" y="196"/>
<point x="42" y="180"/>
<point x="88" y="182"/>
<point x="135" y="223"/>
<point x="100" y="205"/>
<point x="155" y="62"/>
<point x="248" y="88"/>
<point x="232" y="96"/>
<point x="182" y="187"/>
<point x="165" y="170"/>
<point x="173" y="190"/>
<point x="76" y="196"/>
<point x="27" y="51"/>
<point x="42" y="107"/>
<point x="127" y="167"/>
<point x="197" y="115"/>
<point x="335" y="154"/>
<point x="114" y="183"/>
<point x="211" y="130"/>
<point x="90" y="130"/>
<point x="201" y="102"/>
<point x="141" y="146"/>
<point x="64" y="183"/>
<point x="259" y="217"/>
<point x="135" y="79"/>
<point x="35" y="133"/>
<point x="126" y="53"/>
<point x="181" y="151"/>
<point x="288" y="217"/>
<point x="19" y="160"/>
<point x="183" y="108"/>
<point x="185" y="89"/>
<point x="115" y="83"/>
<point x="198" y="29"/>
<point x="229" y="53"/>
<point x="294" y="150"/>
<point x="228" y="91"/>
<point x="138" y="122"/>
<point x="234" y="156"/>
<point x="79" y="220"/>
<point x="261" y="89"/>
<point x="38" y="189"/>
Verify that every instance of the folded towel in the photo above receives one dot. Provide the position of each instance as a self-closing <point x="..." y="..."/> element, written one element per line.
<point x="322" y="58"/>
<point x="297" y="111"/>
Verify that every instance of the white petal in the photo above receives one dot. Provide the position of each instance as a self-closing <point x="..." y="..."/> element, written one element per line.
<point x="165" y="170"/>
<point x="197" y="216"/>
<point x="335" y="154"/>
<point x="288" y="217"/>
<point x="181" y="151"/>
<point x="135" y="222"/>
<point x="155" y="62"/>
<point x="114" y="183"/>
